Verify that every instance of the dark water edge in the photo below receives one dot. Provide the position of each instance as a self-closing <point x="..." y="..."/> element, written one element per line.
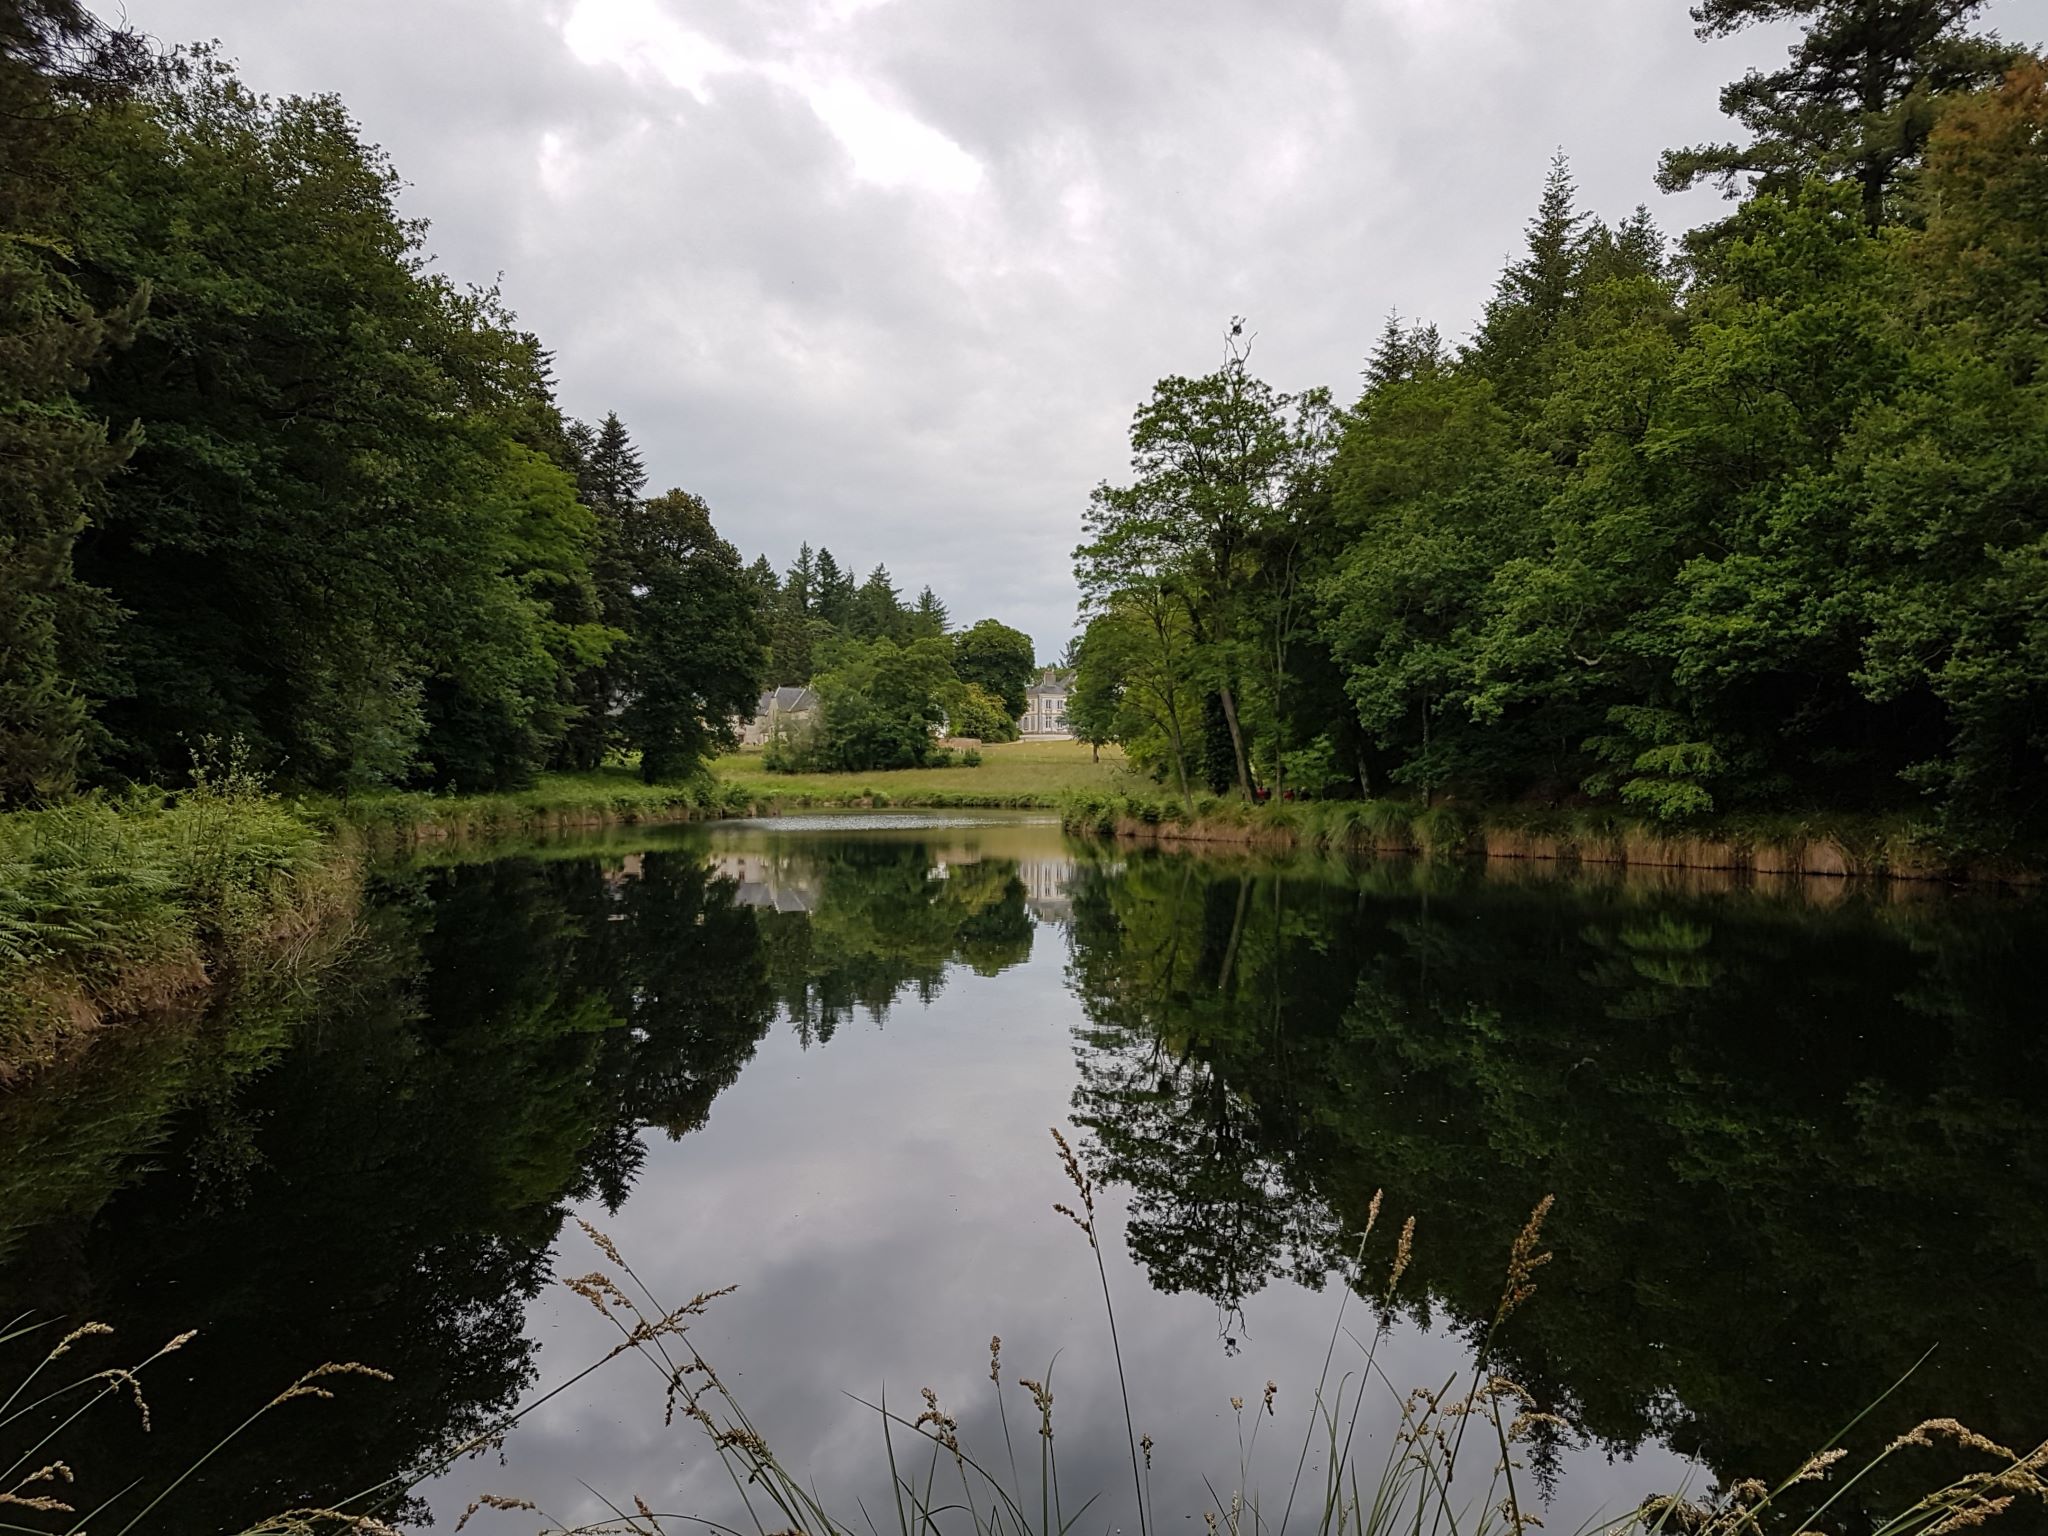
<point x="1794" y="1146"/>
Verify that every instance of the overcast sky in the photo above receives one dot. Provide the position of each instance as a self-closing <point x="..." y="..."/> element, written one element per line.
<point x="891" y="275"/>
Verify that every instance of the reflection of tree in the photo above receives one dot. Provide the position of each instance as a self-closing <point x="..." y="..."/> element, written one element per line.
<point x="1168" y="961"/>
<point x="395" y="1182"/>
<point x="885" y="919"/>
<point x="1792" y="1147"/>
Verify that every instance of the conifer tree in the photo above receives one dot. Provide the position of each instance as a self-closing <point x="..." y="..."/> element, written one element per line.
<point x="1855" y="100"/>
<point x="1537" y="291"/>
<point x="877" y="611"/>
<point x="800" y="585"/>
<point x="928" y="618"/>
<point x="832" y="600"/>
<point x="692" y="665"/>
<point x="1403" y="352"/>
<point x="610" y="477"/>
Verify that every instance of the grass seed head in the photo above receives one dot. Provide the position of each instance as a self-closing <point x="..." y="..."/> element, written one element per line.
<point x="1524" y="1261"/>
<point x="1404" y="1250"/>
<point x="492" y="1501"/>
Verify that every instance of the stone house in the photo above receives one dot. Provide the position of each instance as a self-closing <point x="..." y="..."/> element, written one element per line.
<point x="1045" y="706"/>
<point x="795" y="708"/>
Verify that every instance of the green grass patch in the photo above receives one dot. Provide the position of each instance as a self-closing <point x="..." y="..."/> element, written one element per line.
<point x="611" y="795"/>
<point x="1025" y="774"/>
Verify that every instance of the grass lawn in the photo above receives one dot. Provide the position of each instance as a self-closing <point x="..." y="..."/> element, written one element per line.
<point x="1011" y="769"/>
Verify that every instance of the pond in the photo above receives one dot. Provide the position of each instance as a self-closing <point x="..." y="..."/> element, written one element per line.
<point x="1797" y="1140"/>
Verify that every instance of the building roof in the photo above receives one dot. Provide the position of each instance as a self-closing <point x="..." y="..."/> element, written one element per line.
<point x="786" y="700"/>
<point x="1052" y="680"/>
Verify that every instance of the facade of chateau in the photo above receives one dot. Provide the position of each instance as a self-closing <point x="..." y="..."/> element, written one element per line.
<point x="1045" y="707"/>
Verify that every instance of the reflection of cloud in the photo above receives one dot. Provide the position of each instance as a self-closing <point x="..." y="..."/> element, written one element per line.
<point x="883" y="1204"/>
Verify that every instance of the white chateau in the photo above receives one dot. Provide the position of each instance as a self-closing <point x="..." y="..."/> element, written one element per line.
<point x="1045" y="706"/>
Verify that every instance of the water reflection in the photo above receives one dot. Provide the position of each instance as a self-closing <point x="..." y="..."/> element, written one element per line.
<point x="1793" y="1147"/>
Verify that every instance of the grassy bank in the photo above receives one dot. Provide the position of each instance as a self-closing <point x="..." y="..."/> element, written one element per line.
<point x="611" y="796"/>
<point x="1845" y="845"/>
<point x="1029" y="774"/>
<point x="116" y="907"/>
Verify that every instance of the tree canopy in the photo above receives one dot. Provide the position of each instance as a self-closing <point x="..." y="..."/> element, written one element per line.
<point x="350" y="527"/>
<point x="1762" y="528"/>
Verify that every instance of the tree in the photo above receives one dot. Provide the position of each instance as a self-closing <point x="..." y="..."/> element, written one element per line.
<point x="54" y="455"/>
<point x="1403" y="352"/>
<point x="971" y="710"/>
<point x="1857" y="99"/>
<point x="610" y="476"/>
<point x="997" y="658"/>
<point x="297" y="528"/>
<point x="692" y="663"/>
<point x="1535" y="294"/>
<point x="881" y="706"/>
<point x="876" y="610"/>
<point x="789" y="630"/>
<point x="831" y="599"/>
<point x="1214" y="461"/>
<point x="928" y="620"/>
<point x="501" y="695"/>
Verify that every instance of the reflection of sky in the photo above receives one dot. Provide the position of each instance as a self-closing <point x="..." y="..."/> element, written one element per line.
<point x="883" y="1204"/>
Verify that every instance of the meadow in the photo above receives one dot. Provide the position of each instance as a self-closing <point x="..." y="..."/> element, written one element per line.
<point x="1014" y="773"/>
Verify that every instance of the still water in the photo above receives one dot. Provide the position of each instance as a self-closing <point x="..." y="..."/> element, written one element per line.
<point x="1797" y="1139"/>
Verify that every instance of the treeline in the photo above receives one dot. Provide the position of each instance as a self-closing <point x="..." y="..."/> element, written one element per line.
<point x="892" y="677"/>
<point x="265" y="477"/>
<point x="1758" y="522"/>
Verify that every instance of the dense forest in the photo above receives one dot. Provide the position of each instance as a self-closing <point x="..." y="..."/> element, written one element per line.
<point x="1756" y="522"/>
<point x="266" y="478"/>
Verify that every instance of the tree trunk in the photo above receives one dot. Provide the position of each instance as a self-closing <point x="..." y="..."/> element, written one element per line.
<point x="1240" y="761"/>
<point x="1180" y="756"/>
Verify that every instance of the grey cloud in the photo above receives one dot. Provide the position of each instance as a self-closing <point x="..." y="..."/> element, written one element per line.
<point x="936" y="378"/>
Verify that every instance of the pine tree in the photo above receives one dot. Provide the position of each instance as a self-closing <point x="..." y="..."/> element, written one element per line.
<point x="876" y="611"/>
<point x="928" y="619"/>
<point x="832" y="600"/>
<point x="610" y="477"/>
<point x="800" y="585"/>
<point x="694" y="661"/>
<point x="1403" y="352"/>
<point x="1536" y="292"/>
<point x="1857" y="98"/>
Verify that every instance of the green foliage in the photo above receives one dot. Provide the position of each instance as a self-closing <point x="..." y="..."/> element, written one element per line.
<point x="881" y="706"/>
<point x="971" y="710"/>
<point x="998" y="660"/>
<point x="54" y="454"/>
<point x="1764" y="535"/>
<point x="1204" y="548"/>
<point x="1857" y="99"/>
<point x="108" y="904"/>
<point x="693" y="660"/>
